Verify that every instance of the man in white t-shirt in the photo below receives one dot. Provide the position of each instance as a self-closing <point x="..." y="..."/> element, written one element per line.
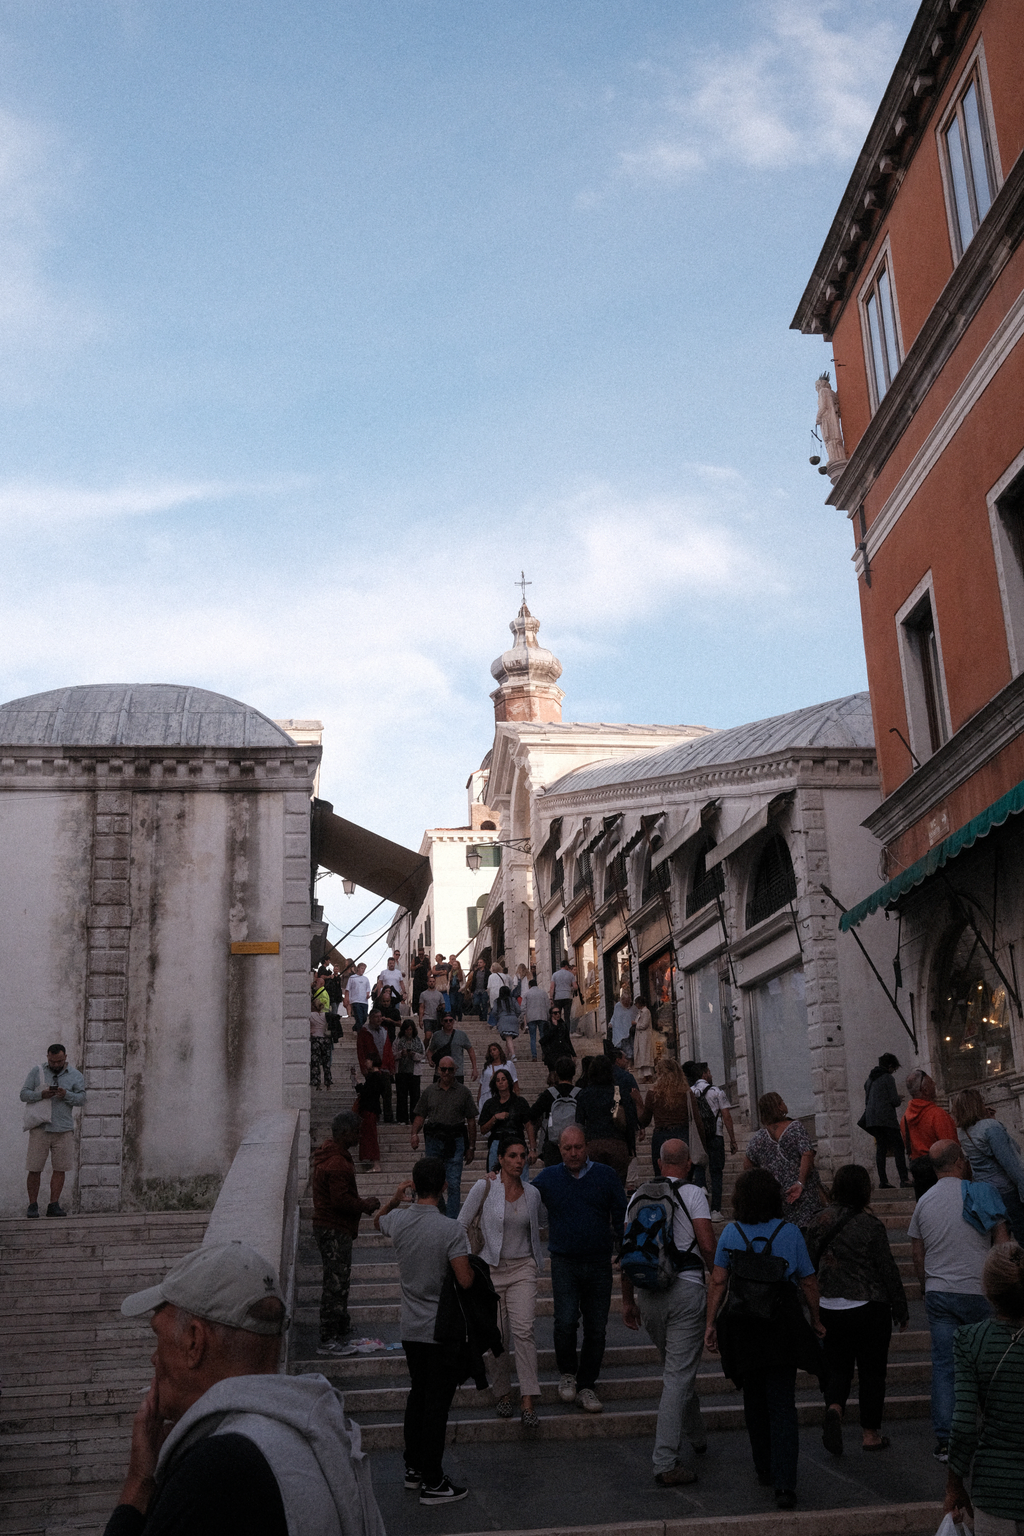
<point x="357" y="993"/>
<point x="718" y="1100"/>
<point x="495" y="981"/>
<point x="675" y="1318"/>
<point x="949" y="1255"/>
<point x="563" y="985"/>
<point x="394" y="979"/>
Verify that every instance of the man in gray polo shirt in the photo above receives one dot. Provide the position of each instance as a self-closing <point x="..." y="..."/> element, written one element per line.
<point x="426" y="1243"/>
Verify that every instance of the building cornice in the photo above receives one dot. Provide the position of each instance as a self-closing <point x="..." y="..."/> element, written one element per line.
<point x="202" y="769"/>
<point x="976" y="743"/>
<point x="836" y="768"/>
<point x="934" y="43"/>
<point x="973" y="278"/>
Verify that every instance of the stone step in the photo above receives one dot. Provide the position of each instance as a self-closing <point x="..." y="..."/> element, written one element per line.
<point x="575" y="1425"/>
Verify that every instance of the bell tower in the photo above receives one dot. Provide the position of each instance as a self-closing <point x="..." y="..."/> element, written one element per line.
<point x="527" y="676"/>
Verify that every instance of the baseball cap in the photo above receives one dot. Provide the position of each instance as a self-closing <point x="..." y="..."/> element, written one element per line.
<point x="218" y="1283"/>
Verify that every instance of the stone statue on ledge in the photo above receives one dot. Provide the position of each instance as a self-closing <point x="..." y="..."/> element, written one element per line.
<point x="827" y="422"/>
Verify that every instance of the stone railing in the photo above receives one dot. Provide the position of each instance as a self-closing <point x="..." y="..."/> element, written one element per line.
<point x="259" y="1200"/>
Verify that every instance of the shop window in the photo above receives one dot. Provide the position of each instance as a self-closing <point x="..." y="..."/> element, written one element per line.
<point x="655" y="880"/>
<point x="714" y="1024"/>
<point x="586" y="973"/>
<point x="923" y="687"/>
<point x="658" y="988"/>
<point x="972" y="1016"/>
<point x="618" y="973"/>
<point x="583" y="877"/>
<point x="966" y="150"/>
<point x="774" y="883"/>
<point x="880" y="324"/>
<point x="782" y="1054"/>
<point x="705" y="884"/>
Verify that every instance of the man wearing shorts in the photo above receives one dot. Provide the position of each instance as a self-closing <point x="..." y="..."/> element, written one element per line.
<point x="64" y="1086"/>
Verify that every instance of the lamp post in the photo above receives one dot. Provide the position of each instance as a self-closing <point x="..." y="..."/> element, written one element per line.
<point x="349" y="887"/>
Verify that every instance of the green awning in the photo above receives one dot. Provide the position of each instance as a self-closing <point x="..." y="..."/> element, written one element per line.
<point x="1010" y="804"/>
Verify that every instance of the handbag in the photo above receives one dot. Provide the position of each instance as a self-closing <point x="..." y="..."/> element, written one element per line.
<point x="618" y="1110"/>
<point x="695" y="1140"/>
<point x="41" y="1113"/>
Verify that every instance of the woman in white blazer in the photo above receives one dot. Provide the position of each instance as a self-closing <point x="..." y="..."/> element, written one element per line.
<point x="509" y="1212"/>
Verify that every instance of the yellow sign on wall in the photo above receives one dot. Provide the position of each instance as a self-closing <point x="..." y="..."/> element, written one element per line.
<point x="257" y="947"/>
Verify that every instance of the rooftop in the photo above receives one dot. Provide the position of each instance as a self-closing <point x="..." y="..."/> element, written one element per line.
<point x="135" y="715"/>
<point x="840" y="723"/>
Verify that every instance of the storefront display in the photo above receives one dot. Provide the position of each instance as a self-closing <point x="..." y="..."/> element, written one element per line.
<point x="658" y="988"/>
<point x="783" y="1059"/>
<point x="586" y="973"/>
<point x="972" y="1015"/>
<point x="617" y="974"/>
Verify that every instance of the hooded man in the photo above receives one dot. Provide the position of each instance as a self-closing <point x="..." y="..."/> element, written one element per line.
<point x="222" y="1445"/>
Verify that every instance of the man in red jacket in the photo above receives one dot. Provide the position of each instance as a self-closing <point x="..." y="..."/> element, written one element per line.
<point x="336" y="1212"/>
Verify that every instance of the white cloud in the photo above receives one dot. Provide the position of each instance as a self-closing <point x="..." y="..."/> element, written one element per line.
<point x="25" y="503"/>
<point x="803" y="89"/>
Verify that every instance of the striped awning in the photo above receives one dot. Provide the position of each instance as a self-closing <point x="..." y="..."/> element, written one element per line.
<point x="1010" y="804"/>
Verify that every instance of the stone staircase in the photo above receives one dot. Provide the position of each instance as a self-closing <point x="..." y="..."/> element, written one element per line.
<point x="74" y="1369"/>
<point x="375" y="1384"/>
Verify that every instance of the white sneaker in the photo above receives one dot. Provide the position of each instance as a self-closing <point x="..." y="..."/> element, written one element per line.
<point x="589" y="1401"/>
<point x="717" y="1216"/>
<point x="567" y="1389"/>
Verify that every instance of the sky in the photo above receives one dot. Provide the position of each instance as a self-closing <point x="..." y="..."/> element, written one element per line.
<point x="320" y="322"/>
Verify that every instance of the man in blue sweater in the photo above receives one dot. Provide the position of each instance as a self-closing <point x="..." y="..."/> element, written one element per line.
<point x="586" y="1207"/>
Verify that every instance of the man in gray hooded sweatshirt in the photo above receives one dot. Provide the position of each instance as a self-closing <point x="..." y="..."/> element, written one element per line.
<point x="222" y="1445"/>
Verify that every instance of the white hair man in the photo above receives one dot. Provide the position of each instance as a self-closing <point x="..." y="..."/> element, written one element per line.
<point x="221" y="1441"/>
<point x="674" y="1316"/>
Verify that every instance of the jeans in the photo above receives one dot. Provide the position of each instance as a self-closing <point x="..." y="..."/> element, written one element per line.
<point x="450" y="1204"/>
<point x="1014" y="1214"/>
<point x="432" y="1377"/>
<point x="480" y="1004"/>
<point x="407" y="1091"/>
<point x="675" y="1321"/>
<point x="531" y="1025"/>
<point x="858" y="1336"/>
<point x="716" y="1168"/>
<point x="581" y="1286"/>
<point x="769" y="1409"/>
<point x="359" y="1013"/>
<point x="948" y="1311"/>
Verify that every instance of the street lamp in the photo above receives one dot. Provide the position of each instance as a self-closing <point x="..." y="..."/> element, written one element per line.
<point x="349" y="887"/>
<point x="474" y="857"/>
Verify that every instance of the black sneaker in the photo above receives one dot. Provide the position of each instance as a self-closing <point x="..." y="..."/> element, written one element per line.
<point x="413" y="1479"/>
<point x="33" y="1210"/>
<point x="941" y="1451"/>
<point x="445" y="1493"/>
<point x="55" y="1209"/>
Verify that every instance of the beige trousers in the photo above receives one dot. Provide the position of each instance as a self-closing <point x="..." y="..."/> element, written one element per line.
<point x="515" y="1281"/>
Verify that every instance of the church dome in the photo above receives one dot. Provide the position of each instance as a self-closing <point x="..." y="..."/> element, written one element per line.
<point x="527" y="676"/>
<point x="135" y="715"/>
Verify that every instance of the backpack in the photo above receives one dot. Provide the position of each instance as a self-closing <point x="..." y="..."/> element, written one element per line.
<point x="649" y="1256"/>
<point x="562" y="1114"/>
<point x="706" y="1117"/>
<point x="758" y="1280"/>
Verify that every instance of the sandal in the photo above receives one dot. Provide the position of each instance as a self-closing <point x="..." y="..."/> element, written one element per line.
<point x="528" y="1419"/>
<point x="505" y="1407"/>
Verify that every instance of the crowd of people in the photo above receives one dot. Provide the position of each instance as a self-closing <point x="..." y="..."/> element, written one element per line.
<point x="802" y="1278"/>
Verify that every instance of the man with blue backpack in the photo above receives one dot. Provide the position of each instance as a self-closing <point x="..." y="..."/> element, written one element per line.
<point x="668" y="1247"/>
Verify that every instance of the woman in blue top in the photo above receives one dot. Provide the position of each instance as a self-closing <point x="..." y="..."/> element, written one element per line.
<point x="762" y="1356"/>
<point x="992" y="1153"/>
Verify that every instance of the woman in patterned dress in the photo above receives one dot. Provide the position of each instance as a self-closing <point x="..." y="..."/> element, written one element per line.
<point x="783" y="1147"/>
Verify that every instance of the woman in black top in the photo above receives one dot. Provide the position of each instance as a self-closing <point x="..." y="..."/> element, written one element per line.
<point x="850" y="1250"/>
<point x="596" y="1109"/>
<point x="504" y="1114"/>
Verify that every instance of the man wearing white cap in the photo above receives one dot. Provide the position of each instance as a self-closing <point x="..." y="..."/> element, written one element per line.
<point x="222" y="1445"/>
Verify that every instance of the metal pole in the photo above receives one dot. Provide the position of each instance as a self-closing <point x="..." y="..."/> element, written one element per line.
<point x="893" y="1003"/>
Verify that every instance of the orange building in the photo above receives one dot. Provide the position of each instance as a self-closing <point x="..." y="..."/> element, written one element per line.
<point x="919" y="291"/>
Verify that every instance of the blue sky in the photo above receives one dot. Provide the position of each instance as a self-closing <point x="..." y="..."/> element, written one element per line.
<point x="319" y="321"/>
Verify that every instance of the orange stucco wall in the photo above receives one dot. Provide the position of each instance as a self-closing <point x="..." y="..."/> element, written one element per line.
<point x="945" y="528"/>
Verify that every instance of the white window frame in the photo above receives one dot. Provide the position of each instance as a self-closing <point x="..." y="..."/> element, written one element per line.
<point x="913" y="678"/>
<point x="975" y="66"/>
<point x="883" y="259"/>
<point x="1008" y="567"/>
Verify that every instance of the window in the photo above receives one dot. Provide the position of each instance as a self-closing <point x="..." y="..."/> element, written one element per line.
<point x="583" y="876"/>
<point x="559" y="947"/>
<point x="655" y="880"/>
<point x="714" y="1018"/>
<point x="779" y="1010"/>
<point x="427" y="933"/>
<point x="774" y="881"/>
<point x="705" y="885"/>
<point x="557" y="876"/>
<point x="490" y="855"/>
<point x="922" y="673"/>
<point x="880" y="323"/>
<point x="968" y="162"/>
<point x="1006" y="516"/>
<point x="616" y="879"/>
<point x="474" y="914"/>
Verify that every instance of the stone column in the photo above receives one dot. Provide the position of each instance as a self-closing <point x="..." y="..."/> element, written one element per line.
<point x="109" y="922"/>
